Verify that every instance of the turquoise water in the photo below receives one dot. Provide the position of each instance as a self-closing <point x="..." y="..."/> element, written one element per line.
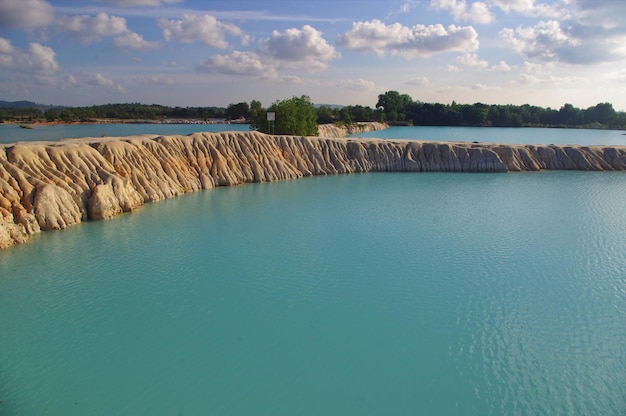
<point x="504" y="135"/>
<point x="373" y="294"/>
<point x="11" y="133"/>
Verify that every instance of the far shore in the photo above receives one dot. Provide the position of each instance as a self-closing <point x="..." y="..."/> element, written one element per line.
<point x="241" y="121"/>
<point x="126" y="121"/>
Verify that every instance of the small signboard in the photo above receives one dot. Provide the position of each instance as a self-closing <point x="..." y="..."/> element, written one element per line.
<point x="271" y="116"/>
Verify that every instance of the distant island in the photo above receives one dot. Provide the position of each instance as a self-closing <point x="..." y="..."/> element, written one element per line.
<point x="391" y="107"/>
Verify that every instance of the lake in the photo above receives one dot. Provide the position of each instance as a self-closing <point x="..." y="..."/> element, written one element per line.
<point x="363" y="294"/>
<point x="10" y="133"/>
<point x="504" y="135"/>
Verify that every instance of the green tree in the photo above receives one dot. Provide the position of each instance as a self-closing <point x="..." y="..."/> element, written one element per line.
<point x="237" y="111"/>
<point x="344" y="115"/>
<point x="295" y="116"/>
<point x="324" y="115"/>
<point x="256" y="108"/>
<point x="394" y="104"/>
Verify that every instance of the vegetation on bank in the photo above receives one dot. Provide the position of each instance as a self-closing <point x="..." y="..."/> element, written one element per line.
<point x="130" y="111"/>
<point x="299" y="116"/>
<point x="401" y="108"/>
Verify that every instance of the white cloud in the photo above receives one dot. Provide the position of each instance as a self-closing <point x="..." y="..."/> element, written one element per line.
<point x="405" y="7"/>
<point x="132" y="40"/>
<point x="418" y="81"/>
<point x="552" y="80"/>
<point x="357" y="84"/>
<point x="531" y="8"/>
<point x="471" y="60"/>
<point x="396" y="39"/>
<point x="138" y="3"/>
<point x="304" y="49"/>
<point x="601" y="14"/>
<point x="549" y="42"/>
<point x="477" y="12"/>
<point x="37" y="60"/>
<point x="299" y="48"/>
<point x="292" y="79"/>
<point x="452" y="68"/>
<point x="41" y="59"/>
<point x="69" y="81"/>
<point x="201" y="28"/>
<point x="248" y="64"/>
<point x="87" y="29"/>
<point x="500" y="67"/>
<point x="25" y="14"/>
<point x="5" y="46"/>
<point x="156" y="80"/>
<point x="100" y="80"/>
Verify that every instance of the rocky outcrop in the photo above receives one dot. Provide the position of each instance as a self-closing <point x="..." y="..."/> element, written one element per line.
<point x="53" y="185"/>
<point x="334" y="130"/>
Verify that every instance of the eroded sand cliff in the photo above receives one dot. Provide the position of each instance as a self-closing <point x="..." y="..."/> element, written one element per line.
<point x="53" y="185"/>
<point x="334" y="130"/>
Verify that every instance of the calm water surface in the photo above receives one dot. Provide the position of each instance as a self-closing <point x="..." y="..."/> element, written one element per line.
<point x="399" y="294"/>
<point x="504" y="135"/>
<point x="11" y="133"/>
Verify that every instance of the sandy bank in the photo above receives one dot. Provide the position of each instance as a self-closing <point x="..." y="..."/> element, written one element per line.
<point x="334" y="130"/>
<point x="54" y="185"/>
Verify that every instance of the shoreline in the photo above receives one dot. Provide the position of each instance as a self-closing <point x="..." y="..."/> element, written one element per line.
<point x="219" y="121"/>
<point x="55" y="185"/>
<point x="123" y="121"/>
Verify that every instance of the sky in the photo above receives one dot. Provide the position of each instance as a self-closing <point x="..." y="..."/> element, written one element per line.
<point x="344" y="52"/>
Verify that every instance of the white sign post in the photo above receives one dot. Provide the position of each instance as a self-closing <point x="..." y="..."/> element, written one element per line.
<point x="271" y="117"/>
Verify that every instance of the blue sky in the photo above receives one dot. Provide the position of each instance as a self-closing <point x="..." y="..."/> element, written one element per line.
<point x="212" y="53"/>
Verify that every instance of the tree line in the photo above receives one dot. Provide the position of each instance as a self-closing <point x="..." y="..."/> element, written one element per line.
<point x="130" y="111"/>
<point x="402" y="109"/>
<point x="392" y="107"/>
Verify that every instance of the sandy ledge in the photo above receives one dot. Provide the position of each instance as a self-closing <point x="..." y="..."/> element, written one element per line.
<point x="54" y="185"/>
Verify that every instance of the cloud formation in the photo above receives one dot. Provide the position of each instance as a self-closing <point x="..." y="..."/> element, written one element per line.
<point x="472" y="60"/>
<point x="358" y="84"/>
<point x="549" y="41"/>
<point x="132" y="40"/>
<point x="299" y="48"/>
<point x="477" y="12"/>
<point x="139" y="3"/>
<point x="201" y="28"/>
<point x="420" y="40"/>
<point x="37" y="59"/>
<point x="248" y="64"/>
<point x="87" y="29"/>
<point x="530" y="8"/>
<point x="99" y="80"/>
<point x="305" y="49"/>
<point x="25" y="14"/>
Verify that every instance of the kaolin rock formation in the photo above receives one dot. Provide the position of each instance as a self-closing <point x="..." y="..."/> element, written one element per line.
<point x="333" y="130"/>
<point x="53" y="185"/>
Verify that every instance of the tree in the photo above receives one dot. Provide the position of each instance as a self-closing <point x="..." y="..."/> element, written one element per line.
<point x="295" y="116"/>
<point x="569" y="115"/>
<point x="394" y="104"/>
<point x="324" y="115"/>
<point x="237" y="111"/>
<point x="344" y="115"/>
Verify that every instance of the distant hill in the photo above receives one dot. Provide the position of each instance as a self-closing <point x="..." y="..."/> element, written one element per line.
<point x="23" y="104"/>
<point x="332" y="106"/>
